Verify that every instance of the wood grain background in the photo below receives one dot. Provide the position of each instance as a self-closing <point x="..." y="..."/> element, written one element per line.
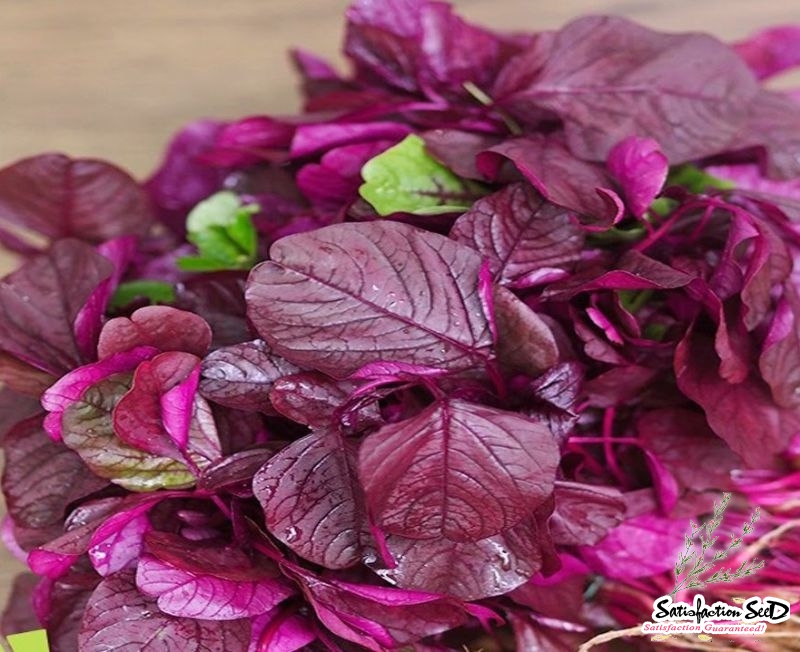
<point x="114" y="78"/>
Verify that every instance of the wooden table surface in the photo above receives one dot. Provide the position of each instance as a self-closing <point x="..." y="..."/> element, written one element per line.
<point x="114" y="78"/>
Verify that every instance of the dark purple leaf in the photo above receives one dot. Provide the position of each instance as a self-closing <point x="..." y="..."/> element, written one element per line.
<point x="526" y="239"/>
<point x="317" y="138"/>
<point x="248" y="141"/>
<point x="524" y="341"/>
<point x="342" y="296"/>
<point x="313" y="399"/>
<point x="553" y="170"/>
<point x="379" y="617"/>
<point x="458" y="150"/>
<point x="58" y="197"/>
<point x="14" y="408"/>
<point x="41" y="478"/>
<point x="312" y="500"/>
<point x="19" y="615"/>
<point x="743" y="414"/>
<point x="457" y="470"/>
<point x="66" y="600"/>
<point x="120" y="619"/>
<point x="162" y="327"/>
<point x="530" y="634"/>
<point x="183" y="179"/>
<point x="608" y="78"/>
<point x="40" y="302"/>
<point x="240" y="376"/>
<point x="779" y="362"/>
<point x="219" y="299"/>
<point x="468" y="570"/>
<point x="584" y="513"/>
<point x="640" y="167"/>
<point x="235" y="473"/>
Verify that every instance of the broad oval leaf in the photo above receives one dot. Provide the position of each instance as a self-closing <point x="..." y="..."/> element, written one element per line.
<point x="312" y="500"/>
<point x="240" y="376"/>
<point x="526" y="239"/>
<point x="40" y="302"/>
<point x="59" y="197"/>
<point x="118" y="618"/>
<point x="458" y="471"/>
<point x="88" y="429"/>
<point x="340" y="297"/>
<point x="608" y="78"/>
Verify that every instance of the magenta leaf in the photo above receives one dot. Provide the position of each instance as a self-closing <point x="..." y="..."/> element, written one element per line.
<point x="345" y="295"/>
<point x="640" y="167"/>
<point x="469" y="570"/>
<point x="550" y="167"/>
<point x="162" y="413"/>
<point x="40" y="302"/>
<point x="88" y="429"/>
<point x="120" y="619"/>
<point x="379" y="617"/>
<point x="240" y="376"/>
<point x="771" y="51"/>
<point x="608" y="78"/>
<point x="458" y="471"/>
<point x="526" y="239"/>
<point x="779" y="362"/>
<point x="584" y="513"/>
<point x="162" y="327"/>
<point x="58" y="197"/>
<point x="234" y="473"/>
<point x="281" y="631"/>
<point x="743" y="414"/>
<point x="312" y="500"/>
<point x="316" y="138"/>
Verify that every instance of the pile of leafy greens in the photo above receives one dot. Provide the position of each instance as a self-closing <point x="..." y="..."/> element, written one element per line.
<point x="450" y="358"/>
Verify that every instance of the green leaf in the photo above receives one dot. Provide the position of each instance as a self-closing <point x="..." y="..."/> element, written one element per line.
<point x="88" y="430"/>
<point x="405" y="178"/>
<point x="34" y="641"/>
<point x="695" y="180"/>
<point x="153" y="291"/>
<point x="222" y="229"/>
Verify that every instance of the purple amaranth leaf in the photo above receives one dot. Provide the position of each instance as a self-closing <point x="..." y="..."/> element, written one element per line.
<point x="18" y="615"/>
<point x="340" y="297"/>
<point x="241" y="376"/>
<point x="234" y="473"/>
<point x="526" y="239"/>
<point x="281" y="631"/>
<point x="22" y="380"/>
<point x="70" y="387"/>
<point x="248" y="141"/>
<point x="771" y="51"/>
<point x="608" y="78"/>
<point x="688" y="449"/>
<point x="524" y="341"/>
<point x="317" y="138"/>
<point x="312" y="499"/>
<point x="121" y="619"/>
<point x="183" y="179"/>
<point x="41" y="478"/>
<point x="584" y="513"/>
<point x="468" y="570"/>
<point x="219" y="299"/>
<point x="315" y="400"/>
<point x="532" y="634"/>
<point x="458" y="150"/>
<point x="457" y="471"/>
<point x="379" y="617"/>
<point x="60" y="605"/>
<point x="576" y="185"/>
<point x="163" y="415"/>
<point x="40" y="302"/>
<point x="641" y="546"/>
<point x="88" y="429"/>
<point x="774" y="127"/>
<point x="640" y="167"/>
<point x="162" y="327"/>
<point x="15" y="407"/>
<point x="58" y="197"/>
<point x="743" y="414"/>
<point x="779" y="361"/>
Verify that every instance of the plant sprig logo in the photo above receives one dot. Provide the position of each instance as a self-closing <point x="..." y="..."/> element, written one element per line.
<point x="704" y="561"/>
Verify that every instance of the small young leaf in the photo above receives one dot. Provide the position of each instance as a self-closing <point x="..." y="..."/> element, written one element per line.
<point x="405" y="178"/>
<point x="153" y="291"/>
<point x="696" y="180"/>
<point x="221" y="228"/>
